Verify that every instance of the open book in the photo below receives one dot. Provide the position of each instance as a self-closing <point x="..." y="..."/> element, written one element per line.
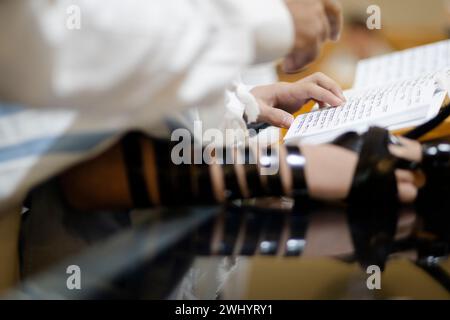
<point x="394" y="91"/>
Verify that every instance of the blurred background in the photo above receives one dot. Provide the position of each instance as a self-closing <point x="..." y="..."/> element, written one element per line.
<point x="404" y="24"/>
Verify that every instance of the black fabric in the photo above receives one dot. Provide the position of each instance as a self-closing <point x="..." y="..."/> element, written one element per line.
<point x="132" y="154"/>
<point x="373" y="204"/>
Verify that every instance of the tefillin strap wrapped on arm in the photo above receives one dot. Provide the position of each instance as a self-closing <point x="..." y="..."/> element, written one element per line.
<point x="431" y="203"/>
<point x="139" y="172"/>
<point x="373" y="200"/>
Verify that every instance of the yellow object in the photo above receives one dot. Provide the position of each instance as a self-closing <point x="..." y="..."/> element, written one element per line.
<point x="325" y="278"/>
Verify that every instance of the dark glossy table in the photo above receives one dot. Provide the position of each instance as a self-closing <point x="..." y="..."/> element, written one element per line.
<point x="166" y="254"/>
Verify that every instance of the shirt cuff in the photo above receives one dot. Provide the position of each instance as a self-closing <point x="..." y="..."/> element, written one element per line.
<point x="272" y="27"/>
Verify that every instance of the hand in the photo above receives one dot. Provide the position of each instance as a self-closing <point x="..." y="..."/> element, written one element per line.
<point x="277" y="102"/>
<point x="330" y="171"/>
<point x="315" y="22"/>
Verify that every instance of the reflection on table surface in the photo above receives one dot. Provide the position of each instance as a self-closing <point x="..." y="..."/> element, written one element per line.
<point x="162" y="256"/>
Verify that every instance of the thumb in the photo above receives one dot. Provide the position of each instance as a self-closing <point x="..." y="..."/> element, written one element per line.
<point x="277" y="117"/>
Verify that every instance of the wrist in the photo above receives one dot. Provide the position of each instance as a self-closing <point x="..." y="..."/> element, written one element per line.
<point x="271" y="94"/>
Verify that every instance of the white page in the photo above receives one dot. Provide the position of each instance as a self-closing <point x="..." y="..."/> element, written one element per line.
<point x="407" y="64"/>
<point x="388" y="105"/>
<point x="433" y="110"/>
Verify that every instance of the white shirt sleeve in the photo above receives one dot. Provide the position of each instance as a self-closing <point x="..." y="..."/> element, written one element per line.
<point x="134" y="62"/>
<point x="131" y="64"/>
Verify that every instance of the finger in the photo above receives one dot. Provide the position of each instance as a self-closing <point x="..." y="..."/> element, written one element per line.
<point x="404" y="176"/>
<point x="289" y="64"/>
<point x="409" y="150"/>
<point x="326" y="82"/>
<point x="414" y="148"/>
<point x="407" y="192"/>
<point x="416" y="178"/>
<point x="277" y="117"/>
<point x="318" y="93"/>
<point x="295" y="61"/>
<point x="333" y="10"/>
<point x="326" y="28"/>
<point x="322" y="104"/>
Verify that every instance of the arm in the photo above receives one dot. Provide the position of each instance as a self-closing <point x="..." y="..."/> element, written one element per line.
<point x="154" y="57"/>
<point x="140" y="172"/>
<point x="135" y="57"/>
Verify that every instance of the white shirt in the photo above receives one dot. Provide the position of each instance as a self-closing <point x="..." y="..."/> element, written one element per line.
<point x="130" y="65"/>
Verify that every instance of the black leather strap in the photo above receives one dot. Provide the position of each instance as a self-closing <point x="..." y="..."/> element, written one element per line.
<point x="164" y="164"/>
<point x="373" y="200"/>
<point x="350" y="140"/>
<point x="252" y="174"/>
<point x="296" y="162"/>
<point x="132" y="154"/>
<point x="430" y="125"/>
<point x="354" y="142"/>
<point x="271" y="160"/>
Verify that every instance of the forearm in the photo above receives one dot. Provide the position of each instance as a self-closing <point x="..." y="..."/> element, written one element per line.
<point x="140" y="172"/>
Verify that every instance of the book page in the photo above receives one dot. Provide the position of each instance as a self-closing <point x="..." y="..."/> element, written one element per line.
<point x="386" y="105"/>
<point x="407" y="64"/>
